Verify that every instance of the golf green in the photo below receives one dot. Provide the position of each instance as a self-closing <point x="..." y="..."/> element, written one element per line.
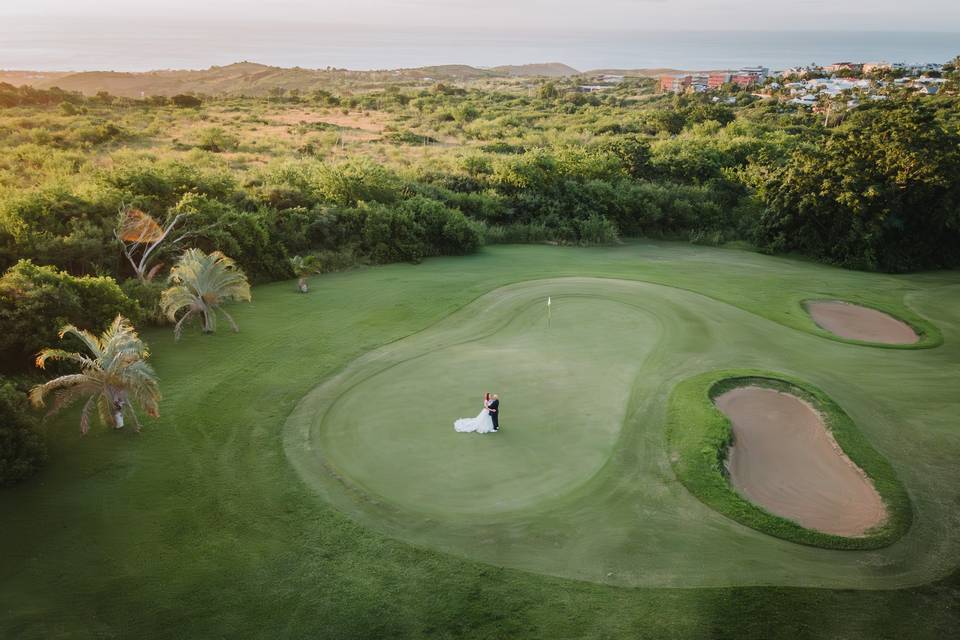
<point x="577" y="483"/>
<point x="304" y="478"/>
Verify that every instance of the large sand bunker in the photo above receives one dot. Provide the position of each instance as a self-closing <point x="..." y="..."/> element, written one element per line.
<point x="860" y="323"/>
<point x="785" y="460"/>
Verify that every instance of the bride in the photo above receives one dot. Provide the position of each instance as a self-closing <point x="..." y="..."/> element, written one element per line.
<point x="481" y="424"/>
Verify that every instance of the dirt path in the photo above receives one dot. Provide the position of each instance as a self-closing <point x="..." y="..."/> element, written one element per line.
<point x="786" y="461"/>
<point x="860" y="323"/>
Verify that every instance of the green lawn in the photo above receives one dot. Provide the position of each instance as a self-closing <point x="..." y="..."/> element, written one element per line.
<point x="217" y="520"/>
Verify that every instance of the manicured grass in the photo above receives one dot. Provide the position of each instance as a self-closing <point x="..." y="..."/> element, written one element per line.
<point x="203" y="527"/>
<point x="700" y="434"/>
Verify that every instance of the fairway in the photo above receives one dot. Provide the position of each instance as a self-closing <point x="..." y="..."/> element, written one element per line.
<point x="306" y="478"/>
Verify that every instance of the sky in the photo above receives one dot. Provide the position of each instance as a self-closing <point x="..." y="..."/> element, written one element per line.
<point x="139" y="35"/>
<point x="918" y="15"/>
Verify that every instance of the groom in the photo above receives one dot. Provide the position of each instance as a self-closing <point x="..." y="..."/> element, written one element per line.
<point x="494" y="409"/>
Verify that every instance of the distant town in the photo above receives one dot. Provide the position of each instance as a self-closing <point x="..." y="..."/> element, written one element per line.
<point x="816" y="86"/>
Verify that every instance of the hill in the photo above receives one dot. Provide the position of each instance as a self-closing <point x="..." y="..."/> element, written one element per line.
<point x="549" y="69"/>
<point x="253" y="79"/>
<point x="644" y="73"/>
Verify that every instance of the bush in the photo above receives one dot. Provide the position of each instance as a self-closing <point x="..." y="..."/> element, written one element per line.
<point x="217" y="140"/>
<point x="520" y="233"/>
<point x="445" y="231"/>
<point x="596" y="230"/>
<point x="185" y="101"/>
<point x="53" y="225"/>
<point x="147" y="295"/>
<point x="36" y="301"/>
<point x="22" y="449"/>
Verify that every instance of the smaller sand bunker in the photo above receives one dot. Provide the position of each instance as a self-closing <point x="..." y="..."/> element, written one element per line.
<point x="785" y="460"/>
<point x="860" y="323"/>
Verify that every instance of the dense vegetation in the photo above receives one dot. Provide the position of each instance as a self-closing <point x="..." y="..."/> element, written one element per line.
<point x="400" y="172"/>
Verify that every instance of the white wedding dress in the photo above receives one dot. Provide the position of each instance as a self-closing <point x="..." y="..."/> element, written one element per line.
<point x="483" y="423"/>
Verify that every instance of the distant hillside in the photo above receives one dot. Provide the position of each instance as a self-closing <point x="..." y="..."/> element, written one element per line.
<point x="644" y="73"/>
<point x="252" y="79"/>
<point x="18" y="78"/>
<point x="549" y="69"/>
<point x="453" y="71"/>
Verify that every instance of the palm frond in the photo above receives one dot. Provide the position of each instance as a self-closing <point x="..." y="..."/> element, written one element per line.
<point x="118" y="369"/>
<point x="92" y="342"/>
<point x="201" y="283"/>
<point x="85" y="415"/>
<point x="40" y="391"/>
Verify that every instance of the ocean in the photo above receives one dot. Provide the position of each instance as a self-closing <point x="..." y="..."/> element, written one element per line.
<point x="156" y="44"/>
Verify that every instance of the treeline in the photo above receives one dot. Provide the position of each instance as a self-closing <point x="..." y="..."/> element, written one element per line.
<point x="878" y="192"/>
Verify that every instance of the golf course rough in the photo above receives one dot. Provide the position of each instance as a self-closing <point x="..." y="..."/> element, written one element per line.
<point x="580" y="480"/>
<point x="700" y="436"/>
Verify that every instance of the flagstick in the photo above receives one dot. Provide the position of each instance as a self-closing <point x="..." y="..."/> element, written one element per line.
<point x="549" y="305"/>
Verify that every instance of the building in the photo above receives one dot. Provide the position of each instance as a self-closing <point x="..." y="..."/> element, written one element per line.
<point x="760" y="73"/>
<point x="700" y="83"/>
<point x="675" y="84"/>
<point x="840" y="67"/>
<point x="749" y="76"/>
<point x="874" y="67"/>
<point x="744" y="80"/>
<point x="717" y="80"/>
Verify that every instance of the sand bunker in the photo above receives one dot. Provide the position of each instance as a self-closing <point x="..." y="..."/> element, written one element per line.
<point x="784" y="460"/>
<point x="860" y="323"/>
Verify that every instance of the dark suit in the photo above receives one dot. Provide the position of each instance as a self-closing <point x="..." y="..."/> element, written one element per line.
<point x="494" y="408"/>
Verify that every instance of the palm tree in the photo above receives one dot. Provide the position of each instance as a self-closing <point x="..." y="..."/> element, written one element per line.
<point x="303" y="267"/>
<point x="201" y="283"/>
<point x="114" y="377"/>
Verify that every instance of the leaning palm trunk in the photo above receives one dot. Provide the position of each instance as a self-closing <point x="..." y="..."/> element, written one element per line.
<point x="200" y="284"/>
<point x="114" y="377"/>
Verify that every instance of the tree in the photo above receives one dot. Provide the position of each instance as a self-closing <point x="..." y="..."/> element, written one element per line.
<point x="139" y="233"/>
<point x="303" y="267"/>
<point x="22" y="449"/>
<point x="200" y="284"/>
<point x="879" y="192"/>
<point x="35" y="301"/>
<point x="634" y="154"/>
<point x="114" y="376"/>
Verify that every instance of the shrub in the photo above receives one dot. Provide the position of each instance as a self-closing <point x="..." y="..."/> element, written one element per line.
<point x="185" y="101"/>
<point x="35" y="301"/>
<point x="22" y="448"/>
<point x="217" y="140"/>
<point x="445" y="231"/>
<point x="596" y="230"/>
<point x="53" y="225"/>
<point x="147" y="295"/>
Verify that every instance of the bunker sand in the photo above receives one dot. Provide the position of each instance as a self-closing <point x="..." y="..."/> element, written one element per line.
<point x="785" y="460"/>
<point x="860" y="323"/>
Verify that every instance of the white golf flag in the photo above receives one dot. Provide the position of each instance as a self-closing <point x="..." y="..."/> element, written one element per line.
<point x="548" y="301"/>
